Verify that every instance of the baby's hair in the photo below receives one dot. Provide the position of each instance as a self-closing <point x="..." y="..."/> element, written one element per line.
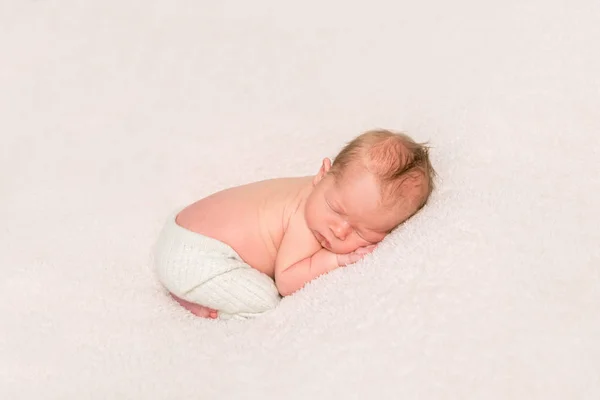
<point x="393" y="157"/>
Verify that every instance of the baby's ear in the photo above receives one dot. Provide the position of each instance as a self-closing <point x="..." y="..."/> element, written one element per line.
<point x="325" y="166"/>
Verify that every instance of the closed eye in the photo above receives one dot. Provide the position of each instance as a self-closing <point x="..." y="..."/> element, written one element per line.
<point x="331" y="207"/>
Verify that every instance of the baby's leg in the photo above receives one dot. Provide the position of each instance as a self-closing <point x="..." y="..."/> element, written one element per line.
<point x="208" y="278"/>
<point x="196" y="309"/>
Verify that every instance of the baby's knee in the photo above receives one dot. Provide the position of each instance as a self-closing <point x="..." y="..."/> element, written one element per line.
<point x="204" y="271"/>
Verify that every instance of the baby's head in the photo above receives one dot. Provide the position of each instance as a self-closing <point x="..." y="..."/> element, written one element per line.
<point x="379" y="180"/>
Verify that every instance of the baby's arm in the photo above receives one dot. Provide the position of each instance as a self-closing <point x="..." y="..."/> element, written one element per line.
<point x="301" y="259"/>
<point x="296" y="275"/>
<point x="293" y="262"/>
<point x="323" y="261"/>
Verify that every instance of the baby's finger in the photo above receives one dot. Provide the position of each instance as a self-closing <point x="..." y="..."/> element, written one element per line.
<point x="367" y="249"/>
<point x="359" y="254"/>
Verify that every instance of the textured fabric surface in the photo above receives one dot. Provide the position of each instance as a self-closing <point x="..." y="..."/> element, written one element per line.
<point x="206" y="271"/>
<point x="112" y="113"/>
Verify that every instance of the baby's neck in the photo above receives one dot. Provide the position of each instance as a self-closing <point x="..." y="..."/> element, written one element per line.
<point x="298" y="197"/>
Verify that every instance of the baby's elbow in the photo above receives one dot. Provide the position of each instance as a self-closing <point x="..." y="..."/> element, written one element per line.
<point x="285" y="286"/>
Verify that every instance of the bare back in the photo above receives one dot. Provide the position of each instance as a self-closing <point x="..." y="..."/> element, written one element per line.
<point x="252" y="218"/>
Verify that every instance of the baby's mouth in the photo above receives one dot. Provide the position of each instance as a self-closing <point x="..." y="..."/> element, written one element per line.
<point x="324" y="242"/>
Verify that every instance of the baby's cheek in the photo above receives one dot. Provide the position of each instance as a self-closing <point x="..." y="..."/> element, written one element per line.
<point x="360" y="241"/>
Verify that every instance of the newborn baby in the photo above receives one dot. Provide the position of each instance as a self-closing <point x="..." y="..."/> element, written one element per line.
<point x="235" y="252"/>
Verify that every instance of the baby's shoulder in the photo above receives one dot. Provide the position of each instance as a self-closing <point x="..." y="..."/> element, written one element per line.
<point x="297" y="232"/>
<point x="277" y="189"/>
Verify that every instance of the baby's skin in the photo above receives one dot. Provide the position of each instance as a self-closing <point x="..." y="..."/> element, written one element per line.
<point x="296" y="229"/>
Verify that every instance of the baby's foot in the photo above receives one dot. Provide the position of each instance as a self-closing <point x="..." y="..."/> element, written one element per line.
<point x="196" y="309"/>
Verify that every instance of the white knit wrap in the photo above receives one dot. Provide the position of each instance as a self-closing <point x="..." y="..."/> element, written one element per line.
<point x="208" y="272"/>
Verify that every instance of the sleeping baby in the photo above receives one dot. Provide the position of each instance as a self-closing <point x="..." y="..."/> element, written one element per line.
<point x="234" y="253"/>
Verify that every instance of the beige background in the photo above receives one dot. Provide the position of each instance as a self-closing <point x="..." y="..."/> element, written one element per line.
<point x="113" y="113"/>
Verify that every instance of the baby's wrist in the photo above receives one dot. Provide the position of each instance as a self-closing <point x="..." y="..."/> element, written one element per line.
<point x="337" y="260"/>
<point x="324" y="261"/>
<point x="334" y="259"/>
<point x="341" y="260"/>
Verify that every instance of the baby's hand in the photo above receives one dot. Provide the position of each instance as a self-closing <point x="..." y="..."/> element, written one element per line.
<point x="356" y="255"/>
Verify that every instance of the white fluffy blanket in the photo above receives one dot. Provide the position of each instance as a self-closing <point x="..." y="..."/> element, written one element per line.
<point x="113" y="113"/>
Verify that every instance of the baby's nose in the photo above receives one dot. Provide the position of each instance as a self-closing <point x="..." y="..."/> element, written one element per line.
<point x="342" y="230"/>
